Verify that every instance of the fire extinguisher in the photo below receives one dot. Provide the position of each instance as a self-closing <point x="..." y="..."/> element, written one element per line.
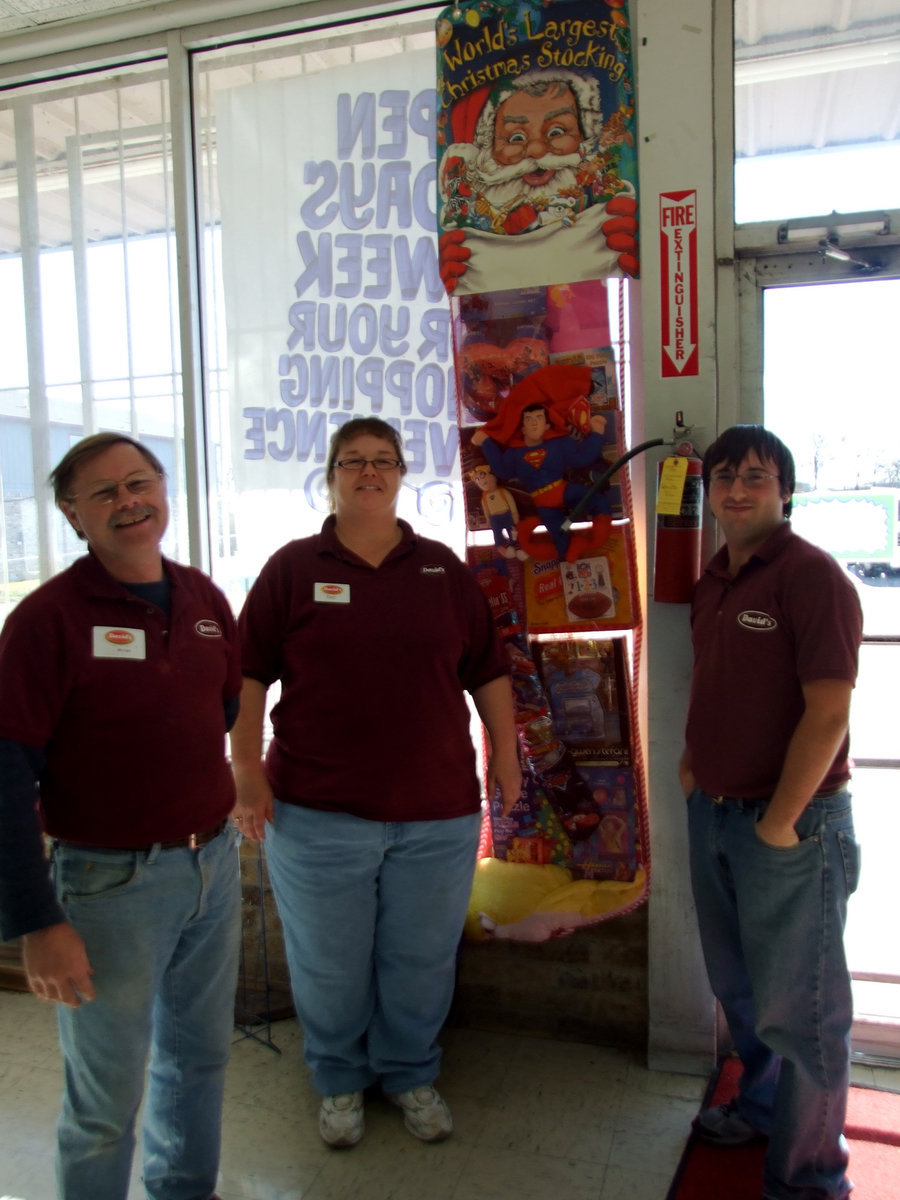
<point x="677" y="557"/>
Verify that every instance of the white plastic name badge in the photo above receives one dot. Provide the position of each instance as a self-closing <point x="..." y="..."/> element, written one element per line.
<point x="115" y="641"/>
<point x="331" y="593"/>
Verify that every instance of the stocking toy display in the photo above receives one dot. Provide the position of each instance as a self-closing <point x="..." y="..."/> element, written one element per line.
<point x="543" y="430"/>
<point x="546" y="756"/>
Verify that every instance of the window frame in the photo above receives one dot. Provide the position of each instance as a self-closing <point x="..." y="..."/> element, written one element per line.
<point x="172" y="35"/>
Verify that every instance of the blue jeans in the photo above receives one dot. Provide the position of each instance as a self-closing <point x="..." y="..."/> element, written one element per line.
<point x="372" y="915"/>
<point x="771" y="924"/>
<point x="162" y="930"/>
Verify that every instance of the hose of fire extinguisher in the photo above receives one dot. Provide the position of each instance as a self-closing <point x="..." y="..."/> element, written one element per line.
<point x="604" y="479"/>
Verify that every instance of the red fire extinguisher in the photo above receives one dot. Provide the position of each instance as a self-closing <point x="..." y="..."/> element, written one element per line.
<point x="677" y="557"/>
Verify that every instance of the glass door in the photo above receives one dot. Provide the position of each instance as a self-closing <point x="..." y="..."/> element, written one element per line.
<point x="831" y="391"/>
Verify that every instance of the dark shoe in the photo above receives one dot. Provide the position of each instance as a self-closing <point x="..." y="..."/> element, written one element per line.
<point x="845" y="1195"/>
<point x="723" y="1125"/>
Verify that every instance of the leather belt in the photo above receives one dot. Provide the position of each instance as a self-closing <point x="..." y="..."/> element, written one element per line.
<point x="823" y="795"/>
<point x="193" y="841"/>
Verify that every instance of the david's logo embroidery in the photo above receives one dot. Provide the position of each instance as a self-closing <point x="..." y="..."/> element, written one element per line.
<point x="209" y="628"/>
<point x="119" y="637"/>
<point x="760" y="622"/>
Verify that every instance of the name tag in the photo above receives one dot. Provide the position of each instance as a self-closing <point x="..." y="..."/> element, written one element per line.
<point x="331" y="593"/>
<point x="115" y="641"/>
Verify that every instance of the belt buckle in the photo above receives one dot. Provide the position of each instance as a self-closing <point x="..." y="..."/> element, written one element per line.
<point x="193" y="844"/>
<point x="718" y="799"/>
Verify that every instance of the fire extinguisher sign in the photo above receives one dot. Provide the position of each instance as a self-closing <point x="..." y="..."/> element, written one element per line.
<point x="678" y="283"/>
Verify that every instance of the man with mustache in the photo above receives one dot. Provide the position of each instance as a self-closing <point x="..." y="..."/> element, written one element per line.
<point x="118" y="680"/>
<point x="538" y="165"/>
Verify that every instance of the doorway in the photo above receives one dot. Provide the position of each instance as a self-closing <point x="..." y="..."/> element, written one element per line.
<point x="830" y="390"/>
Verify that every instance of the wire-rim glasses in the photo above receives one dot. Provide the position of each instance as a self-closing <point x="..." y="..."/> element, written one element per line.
<point x="141" y="484"/>
<point x="752" y="479"/>
<point x="357" y="464"/>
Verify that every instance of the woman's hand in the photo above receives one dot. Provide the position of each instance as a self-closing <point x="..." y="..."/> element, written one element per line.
<point x="494" y="701"/>
<point x="254" y="806"/>
<point x="505" y="773"/>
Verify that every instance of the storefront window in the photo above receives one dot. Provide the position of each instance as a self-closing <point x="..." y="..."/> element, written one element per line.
<point x="318" y="203"/>
<point x="813" y="131"/>
<point x="90" y="309"/>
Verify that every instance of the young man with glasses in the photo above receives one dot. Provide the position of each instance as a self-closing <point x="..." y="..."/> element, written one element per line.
<point x="119" y="678"/>
<point x="776" y="628"/>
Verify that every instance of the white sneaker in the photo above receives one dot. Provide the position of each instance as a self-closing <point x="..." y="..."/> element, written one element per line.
<point x="341" y="1119"/>
<point x="426" y="1116"/>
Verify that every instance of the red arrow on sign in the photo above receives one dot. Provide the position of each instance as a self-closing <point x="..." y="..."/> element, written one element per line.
<point x="678" y="283"/>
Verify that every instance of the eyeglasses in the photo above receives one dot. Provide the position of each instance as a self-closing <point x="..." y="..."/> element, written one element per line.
<point x="108" y="493"/>
<point x="380" y="464"/>
<point x="750" y="479"/>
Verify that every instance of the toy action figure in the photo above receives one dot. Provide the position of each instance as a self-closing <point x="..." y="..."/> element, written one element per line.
<point x="500" y="510"/>
<point x="534" y="440"/>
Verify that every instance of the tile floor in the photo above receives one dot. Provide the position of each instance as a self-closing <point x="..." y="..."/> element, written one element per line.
<point x="535" y="1120"/>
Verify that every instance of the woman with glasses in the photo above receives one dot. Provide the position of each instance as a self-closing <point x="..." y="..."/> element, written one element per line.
<point x="368" y="798"/>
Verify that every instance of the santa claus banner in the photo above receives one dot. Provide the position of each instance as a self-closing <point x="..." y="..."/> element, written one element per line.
<point x="537" y="215"/>
<point x="537" y="164"/>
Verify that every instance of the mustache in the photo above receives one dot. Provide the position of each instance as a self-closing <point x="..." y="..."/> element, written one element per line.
<point x="494" y="173"/>
<point x="133" y="514"/>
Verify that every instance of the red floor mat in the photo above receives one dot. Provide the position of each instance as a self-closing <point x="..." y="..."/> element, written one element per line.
<point x="872" y="1129"/>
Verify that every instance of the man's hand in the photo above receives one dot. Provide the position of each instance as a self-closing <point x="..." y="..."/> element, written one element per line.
<point x="813" y="745"/>
<point x="479" y="437"/>
<point x="782" y="836"/>
<point x="686" y="775"/>
<point x="620" y="231"/>
<point x="453" y="256"/>
<point x="56" y="965"/>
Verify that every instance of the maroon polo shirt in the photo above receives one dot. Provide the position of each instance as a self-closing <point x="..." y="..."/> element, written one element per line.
<point x="373" y="663"/>
<point x="790" y="617"/>
<point x="126" y="702"/>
